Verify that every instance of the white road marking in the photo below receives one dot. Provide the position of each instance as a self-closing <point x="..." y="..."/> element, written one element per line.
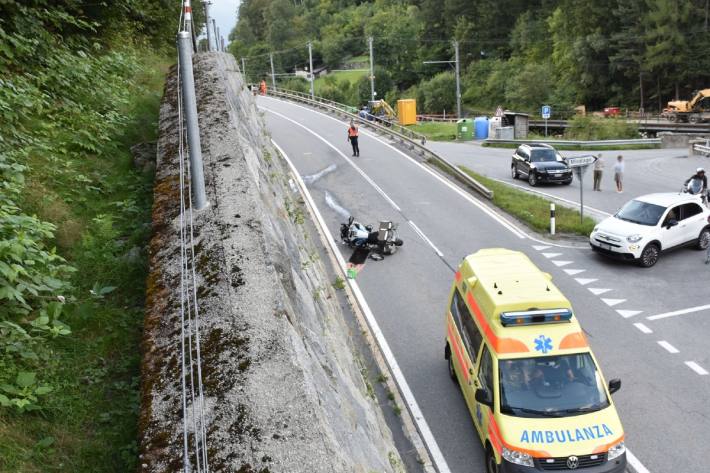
<point x="613" y="302"/>
<point x="551" y="255"/>
<point x="495" y="216"/>
<point x="636" y="465"/>
<point x="432" y="446"/>
<point x="572" y="272"/>
<point x="679" y="312"/>
<point x="597" y="291"/>
<point x="585" y="281"/>
<point x="422" y="425"/>
<point x="628" y="313"/>
<point x="669" y="348"/>
<point x="425" y="238"/>
<point x="348" y="160"/>
<point x="643" y="328"/>
<point x="561" y="263"/>
<point x="697" y="368"/>
<point x="541" y="247"/>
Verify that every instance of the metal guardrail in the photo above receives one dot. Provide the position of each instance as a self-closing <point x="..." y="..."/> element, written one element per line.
<point x="336" y="108"/>
<point x="701" y="148"/>
<point x="591" y="144"/>
<point x="642" y="126"/>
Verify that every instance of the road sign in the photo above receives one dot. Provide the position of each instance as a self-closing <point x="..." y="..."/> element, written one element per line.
<point x="580" y="161"/>
<point x="499" y="111"/>
<point x="546" y="111"/>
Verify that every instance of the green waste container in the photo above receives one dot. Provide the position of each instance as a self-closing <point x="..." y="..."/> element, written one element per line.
<point x="464" y="129"/>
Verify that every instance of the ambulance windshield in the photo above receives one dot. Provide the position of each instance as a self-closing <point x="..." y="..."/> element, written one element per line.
<point x="551" y="386"/>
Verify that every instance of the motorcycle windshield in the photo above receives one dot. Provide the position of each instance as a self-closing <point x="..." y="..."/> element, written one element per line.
<point x="694" y="186"/>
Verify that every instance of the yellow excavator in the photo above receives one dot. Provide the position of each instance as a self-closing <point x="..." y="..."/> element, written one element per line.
<point x="694" y="111"/>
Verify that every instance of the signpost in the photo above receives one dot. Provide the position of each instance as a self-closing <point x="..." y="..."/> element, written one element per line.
<point x="546" y="113"/>
<point x="579" y="165"/>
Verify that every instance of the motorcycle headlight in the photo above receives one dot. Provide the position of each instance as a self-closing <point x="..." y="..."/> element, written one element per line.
<point x="616" y="451"/>
<point x="633" y="238"/>
<point x="519" y="458"/>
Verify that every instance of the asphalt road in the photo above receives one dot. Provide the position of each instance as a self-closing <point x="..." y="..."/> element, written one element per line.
<point x="647" y="171"/>
<point x="663" y="401"/>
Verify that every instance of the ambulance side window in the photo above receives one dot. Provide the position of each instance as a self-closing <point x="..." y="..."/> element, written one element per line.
<point x="472" y="336"/>
<point x="455" y="312"/>
<point x="485" y="372"/>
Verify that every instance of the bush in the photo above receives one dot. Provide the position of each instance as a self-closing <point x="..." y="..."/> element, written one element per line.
<point x="593" y="128"/>
<point x="296" y="84"/>
<point x="439" y="93"/>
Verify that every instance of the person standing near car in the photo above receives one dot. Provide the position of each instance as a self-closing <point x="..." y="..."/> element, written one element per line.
<point x="353" y="133"/>
<point x="619" y="174"/>
<point x="598" y="171"/>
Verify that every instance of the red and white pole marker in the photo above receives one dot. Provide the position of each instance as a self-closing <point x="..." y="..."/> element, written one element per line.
<point x="187" y="10"/>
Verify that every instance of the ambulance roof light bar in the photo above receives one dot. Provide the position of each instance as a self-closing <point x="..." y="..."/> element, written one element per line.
<point x="535" y="317"/>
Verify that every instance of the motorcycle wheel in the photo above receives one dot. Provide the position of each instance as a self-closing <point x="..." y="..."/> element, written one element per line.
<point x="398" y="242"/>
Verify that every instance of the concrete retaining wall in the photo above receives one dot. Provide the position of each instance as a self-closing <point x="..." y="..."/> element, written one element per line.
<point x="284" y="392"/>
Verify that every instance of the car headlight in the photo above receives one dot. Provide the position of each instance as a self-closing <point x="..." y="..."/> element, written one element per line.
<point x="532" y="166"/>
<point x="596" y="229"/>
<point x="633" y="238"/>
<point x="519" y="458"/>
<point x="616" y="451"/>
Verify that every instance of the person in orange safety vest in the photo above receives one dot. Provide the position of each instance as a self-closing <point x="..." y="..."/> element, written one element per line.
<point x="262" y="87"/>
<point x="352" y="138"/>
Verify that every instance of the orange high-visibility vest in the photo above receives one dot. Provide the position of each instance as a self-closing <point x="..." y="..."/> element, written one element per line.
<point x="352" y="132"/>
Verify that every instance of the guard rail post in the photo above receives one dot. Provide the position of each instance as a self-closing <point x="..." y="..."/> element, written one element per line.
<point x="552" y="218"/>
<point x="189" y="102"/>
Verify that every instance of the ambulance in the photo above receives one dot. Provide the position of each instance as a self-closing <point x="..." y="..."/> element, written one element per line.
<point x="534" y="389"/>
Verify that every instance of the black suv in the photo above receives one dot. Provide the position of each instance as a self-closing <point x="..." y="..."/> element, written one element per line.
<point x="540" y="163"/>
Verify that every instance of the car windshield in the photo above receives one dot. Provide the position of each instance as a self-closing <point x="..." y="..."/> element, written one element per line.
<point x="551" y="386"/>
<point x="543" y="155"/>
<point x="639" y="212"/>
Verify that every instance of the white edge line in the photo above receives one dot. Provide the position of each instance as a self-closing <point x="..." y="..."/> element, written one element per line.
<point x="634" y="462"/>
<point x="425" y="238"/>
<point x="697" y="368"/>
<point x="422" y="425"/>
<point x="678" y="312"/>
<point x="668" y="347"/>
<point x="497" y="217"/>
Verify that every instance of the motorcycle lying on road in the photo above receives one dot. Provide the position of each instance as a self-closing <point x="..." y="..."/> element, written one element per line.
<point x="695" y="187"/>
<point x="379" y="243"/>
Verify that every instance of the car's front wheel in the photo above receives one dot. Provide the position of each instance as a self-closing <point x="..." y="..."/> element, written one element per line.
<point x="491" y="465"/>
<point x="704" y="239"/>
<point x="532" y="178"/>
<point x="514" y="171"/>
<point x="649" y="255"/>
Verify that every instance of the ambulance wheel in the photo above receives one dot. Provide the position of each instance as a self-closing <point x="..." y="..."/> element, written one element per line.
<point x="449" y="357"/>
<point x="491" y="465"/>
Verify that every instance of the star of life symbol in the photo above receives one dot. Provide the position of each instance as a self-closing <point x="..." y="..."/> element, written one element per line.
<point x="543" y="344"/>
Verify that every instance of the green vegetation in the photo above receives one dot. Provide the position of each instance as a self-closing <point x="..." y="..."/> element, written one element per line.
<point x="516" y="53"/>
<point x="591" y="128"/>
<point x="438" y="131"/>
<point x="81" y="83"/>
<point x="533" y="210"/>
<point x="578" y="147"/>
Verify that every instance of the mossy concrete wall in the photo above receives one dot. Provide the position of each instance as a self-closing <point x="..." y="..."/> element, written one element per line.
<point x="283" y="387"/>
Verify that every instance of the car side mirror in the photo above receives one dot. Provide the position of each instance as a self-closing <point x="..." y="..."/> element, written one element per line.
<point x="484" y="397"/>
<point x="614" y="385"/>
<point x="671" y="223"/>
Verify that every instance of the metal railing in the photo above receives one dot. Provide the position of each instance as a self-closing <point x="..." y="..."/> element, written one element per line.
<point x="591" y="144"/>
<point x="700" y="147"/>
<point x="408" y="138"/>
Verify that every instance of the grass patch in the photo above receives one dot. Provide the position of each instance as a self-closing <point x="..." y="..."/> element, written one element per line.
<point x="436" y="131"/>
<point x="533" y="210"/>
<point x="560" y="147"/>
<point x="339" y="77"/>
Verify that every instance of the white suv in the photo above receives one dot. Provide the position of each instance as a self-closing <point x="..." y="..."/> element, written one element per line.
<point x="650" y="224"/>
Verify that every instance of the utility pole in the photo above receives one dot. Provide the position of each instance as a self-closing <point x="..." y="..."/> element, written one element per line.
<point x="372" y="71"/>
<point x="310" y="65"/>
<point x="207" y="21"/>
<point x="215" y="31"/>
<point x="641" y="91"/>
<point x="244" y="70"/>
<point x="197" y="177"/>
<point x="273" y="76"/>
<point x="458" y="80"/>
<point x="224" y="49"/>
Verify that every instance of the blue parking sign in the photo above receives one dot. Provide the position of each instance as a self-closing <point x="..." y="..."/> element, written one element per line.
<point x="546" y="111"/>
